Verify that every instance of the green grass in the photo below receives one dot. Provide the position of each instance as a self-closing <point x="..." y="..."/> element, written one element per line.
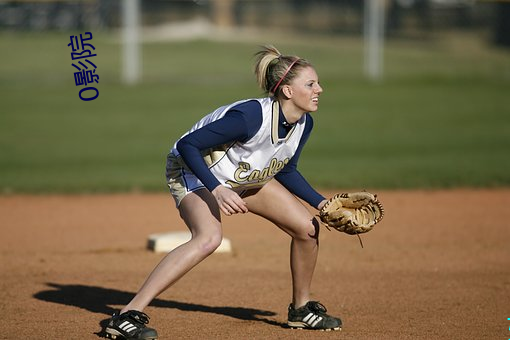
<point x="440" y="118"/>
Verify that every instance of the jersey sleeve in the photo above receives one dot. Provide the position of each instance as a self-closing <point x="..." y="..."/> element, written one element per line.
<point x="292" y="179"/>
<point x="239" y="124"/>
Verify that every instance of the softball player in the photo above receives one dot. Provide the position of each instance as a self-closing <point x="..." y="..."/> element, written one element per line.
<point x="243" y="158"/>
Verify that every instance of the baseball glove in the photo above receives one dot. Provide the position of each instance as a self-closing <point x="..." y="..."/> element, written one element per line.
<point x="352" y="213"/>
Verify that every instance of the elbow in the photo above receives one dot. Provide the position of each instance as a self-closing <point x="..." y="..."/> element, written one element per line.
<point x="181" y="145"/>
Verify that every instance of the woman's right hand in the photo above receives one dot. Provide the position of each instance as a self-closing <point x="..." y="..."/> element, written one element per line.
<point x="229" y="201"/>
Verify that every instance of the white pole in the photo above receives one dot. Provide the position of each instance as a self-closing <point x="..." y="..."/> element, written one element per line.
<point x="131" y="61"/>
<point x="374" y="38"/>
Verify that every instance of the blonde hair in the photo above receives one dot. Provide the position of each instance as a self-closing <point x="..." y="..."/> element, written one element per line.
<point x="273" y="69"/>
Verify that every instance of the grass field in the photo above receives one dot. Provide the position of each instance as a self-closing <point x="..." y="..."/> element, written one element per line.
<point x="439" y="118"/>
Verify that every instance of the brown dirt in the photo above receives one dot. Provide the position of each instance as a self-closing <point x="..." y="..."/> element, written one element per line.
<point x="436" y="267"/>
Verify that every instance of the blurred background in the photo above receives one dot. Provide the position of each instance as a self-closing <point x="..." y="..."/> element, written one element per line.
<point x="415" y="91"/>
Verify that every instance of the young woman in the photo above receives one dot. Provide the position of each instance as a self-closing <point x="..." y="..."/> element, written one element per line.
<point x="243" y="158"/>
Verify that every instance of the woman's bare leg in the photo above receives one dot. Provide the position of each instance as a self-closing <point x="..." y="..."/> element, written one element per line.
<point x="278" y="205"/>
<point x="200" y="212"/>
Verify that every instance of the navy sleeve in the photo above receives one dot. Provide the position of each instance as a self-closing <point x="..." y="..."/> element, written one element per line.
<point x="292" y="179"/>
<point x="239" y="124"/>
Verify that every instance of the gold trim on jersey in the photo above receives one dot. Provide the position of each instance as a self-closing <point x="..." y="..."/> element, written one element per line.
<point x="275" y="114"/>
<point x="213" y="155"/>
<point x="275" y="123"/>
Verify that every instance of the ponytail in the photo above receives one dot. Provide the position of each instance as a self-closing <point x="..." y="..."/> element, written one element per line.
<point x="272" y="69"/>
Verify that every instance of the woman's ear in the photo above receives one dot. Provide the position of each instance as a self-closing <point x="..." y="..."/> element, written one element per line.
<point x="287" y="91"/>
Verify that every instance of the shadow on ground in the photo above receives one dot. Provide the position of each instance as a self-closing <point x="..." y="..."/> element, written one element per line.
<point x="99" y="300"/>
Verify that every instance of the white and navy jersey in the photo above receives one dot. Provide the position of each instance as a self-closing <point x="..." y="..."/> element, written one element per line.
<point x="245" y="144"/>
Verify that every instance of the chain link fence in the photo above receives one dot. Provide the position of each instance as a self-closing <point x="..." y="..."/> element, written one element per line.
<point x="404" y="18"/>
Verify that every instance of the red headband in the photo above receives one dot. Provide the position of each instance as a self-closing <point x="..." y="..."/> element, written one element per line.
<point x="283" y="77"/>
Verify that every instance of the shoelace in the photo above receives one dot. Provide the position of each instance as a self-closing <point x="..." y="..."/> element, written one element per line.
<point x="140" y="317"/>
<point x="316" y="306"/>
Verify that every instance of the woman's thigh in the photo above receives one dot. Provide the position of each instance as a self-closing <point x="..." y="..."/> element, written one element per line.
<point x="201" y="213"/>
<point x="275" y="203"/>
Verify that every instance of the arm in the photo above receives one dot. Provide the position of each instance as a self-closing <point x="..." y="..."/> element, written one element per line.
<point x="292" y="179"/>
<point x="238" y="124"/>
<point x="226" y="130"/>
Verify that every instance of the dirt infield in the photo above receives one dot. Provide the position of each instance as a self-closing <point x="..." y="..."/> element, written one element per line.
<point x="437" y="267"/>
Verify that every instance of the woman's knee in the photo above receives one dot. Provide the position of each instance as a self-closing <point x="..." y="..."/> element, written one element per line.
<point x="309" y="231"/>
<point x="208" y="242"/>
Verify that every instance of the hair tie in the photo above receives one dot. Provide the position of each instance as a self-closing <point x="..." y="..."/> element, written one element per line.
<point x="283" y="77"/>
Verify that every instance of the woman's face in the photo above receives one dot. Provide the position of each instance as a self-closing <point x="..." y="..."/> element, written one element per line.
<point x="305" y="90"/>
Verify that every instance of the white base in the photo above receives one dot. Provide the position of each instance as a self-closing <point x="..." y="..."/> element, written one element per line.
<point x="166" y="242"/>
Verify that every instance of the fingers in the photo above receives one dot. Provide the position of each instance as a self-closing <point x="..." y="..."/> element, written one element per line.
<point x="233" y="206"/>
<point x="229" y="201"/>
<point x="232" y="209"/>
